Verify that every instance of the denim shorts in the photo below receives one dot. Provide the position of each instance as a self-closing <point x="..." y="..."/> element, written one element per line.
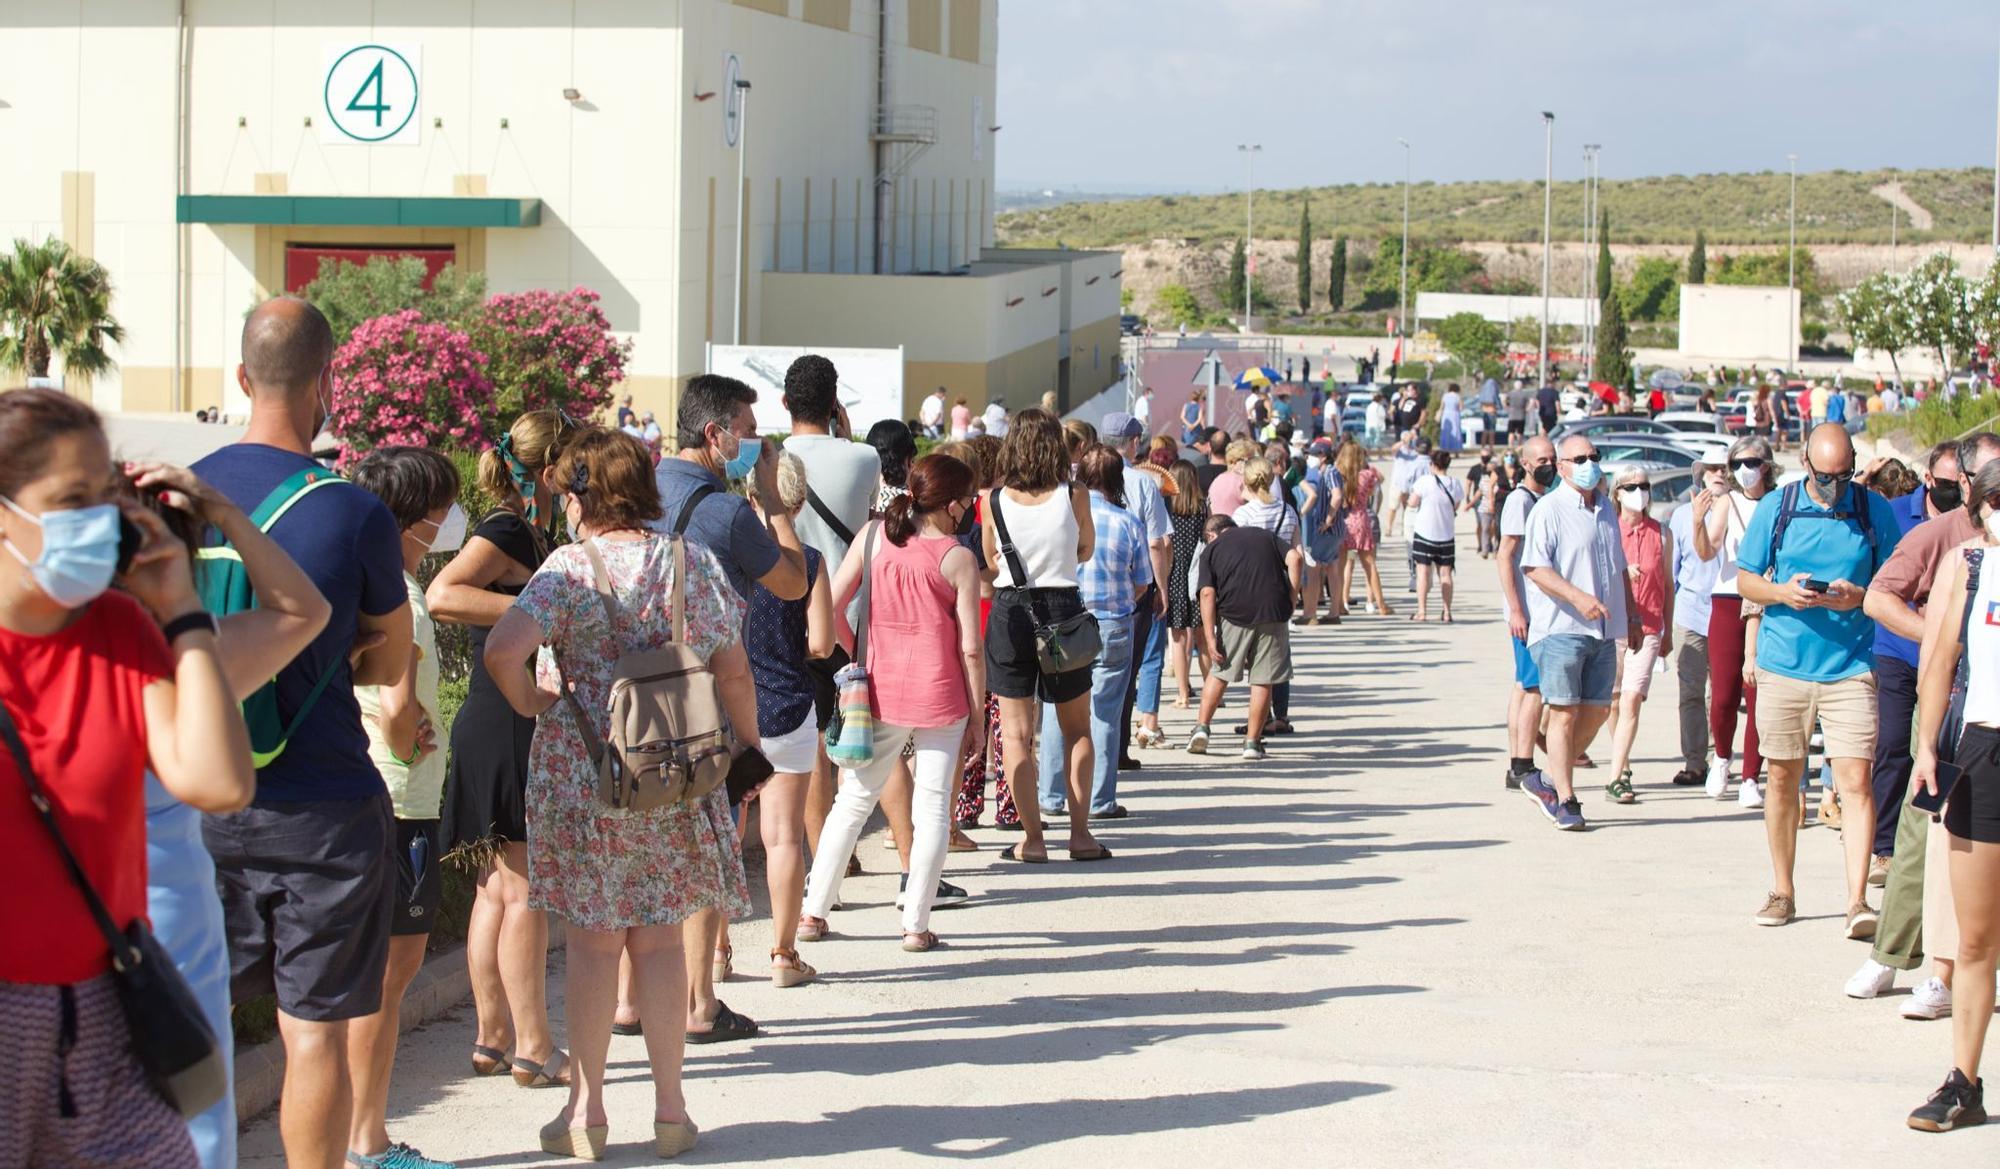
<point x="1526" y="676"/>
<point x="1576" y="670"/>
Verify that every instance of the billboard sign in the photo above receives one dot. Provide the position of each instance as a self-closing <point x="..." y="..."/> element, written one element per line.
<point x="871" y="380"/>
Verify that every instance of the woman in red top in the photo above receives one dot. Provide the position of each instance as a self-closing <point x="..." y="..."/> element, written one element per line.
<point x="1646" y="560"/>
<point x="98" y="693"/>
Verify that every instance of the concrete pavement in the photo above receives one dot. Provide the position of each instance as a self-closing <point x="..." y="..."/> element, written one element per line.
<point x="1360" y="951"/>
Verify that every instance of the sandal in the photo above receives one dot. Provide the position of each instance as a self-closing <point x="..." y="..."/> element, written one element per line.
<point x="1100" y="853"/>
<point x="618" y="1028"/>
<point x="723" y="964"/>
<point x="787" y="971"/>
<point x="854" y="865"/>
<point x="811" y="929"/>
<point x="960" y="842"/>
<point x="728" y="1025"/>
<point x="1016" y="853"/>
<point x="922" y="943"/>
<point x="552" y="1072"/>
<point x="1619" y="790"/>
<point x="495" y="1060"/>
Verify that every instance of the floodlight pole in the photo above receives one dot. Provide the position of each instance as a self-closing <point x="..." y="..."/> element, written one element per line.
<point x="1548" y="222"/>
<point x="1250" y="152"/>
<point x="1791" y="274"/>
<point x="742" y="205"/>
<point x="1403" y="287"/>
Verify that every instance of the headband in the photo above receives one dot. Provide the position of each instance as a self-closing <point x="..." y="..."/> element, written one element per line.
<point x="524" y="479"/>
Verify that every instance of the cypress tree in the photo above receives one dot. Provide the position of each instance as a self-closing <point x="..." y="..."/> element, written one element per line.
<point x="1233" y="292"/>
<point x="1336" y="281"/>
<point x="1614" y="361"/>
<point x="1305" y="258"/>
<point x="1604" y="253"/>
<point x="1698" y="259"/>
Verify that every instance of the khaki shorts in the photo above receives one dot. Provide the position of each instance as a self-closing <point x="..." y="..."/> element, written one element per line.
<point x="1786" y="708"/>
<point x="1635" y="670"/>
<point x="1263" y="653"/>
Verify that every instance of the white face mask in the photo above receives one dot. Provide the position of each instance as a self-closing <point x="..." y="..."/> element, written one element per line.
<point x="1633" y="498"/>
<point x="450" y="533"/>
<point x="1748" y="477"/>
<point x="1993" y="524"/>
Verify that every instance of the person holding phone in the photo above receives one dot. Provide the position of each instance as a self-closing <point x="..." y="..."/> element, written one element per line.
<point x="1960" y="650"/>
<point x="1807" y="557"/>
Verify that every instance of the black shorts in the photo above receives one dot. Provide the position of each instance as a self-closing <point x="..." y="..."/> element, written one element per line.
<point x="1516" y="427"/>
<point x="419" y="883"/>
<point x="306" y="897"/>
<point x="822" y="671"/>
<point x="1440" y="554"/>
<point x="1013" y="663"/>
<point x="1973" y="812"/>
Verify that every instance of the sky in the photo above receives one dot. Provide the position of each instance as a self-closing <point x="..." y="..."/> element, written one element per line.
<point x="1155" y="95"/>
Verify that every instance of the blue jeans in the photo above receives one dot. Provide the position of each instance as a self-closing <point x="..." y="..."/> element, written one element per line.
<point x="1107" y="710"/>
<point x="187" y="919"/>
<point x="1152" y="662"/>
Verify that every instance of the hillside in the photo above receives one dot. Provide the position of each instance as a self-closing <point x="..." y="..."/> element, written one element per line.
<point x="1834" y="207"/>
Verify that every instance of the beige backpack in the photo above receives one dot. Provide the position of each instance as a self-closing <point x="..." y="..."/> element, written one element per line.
<point x="669" y="738"/>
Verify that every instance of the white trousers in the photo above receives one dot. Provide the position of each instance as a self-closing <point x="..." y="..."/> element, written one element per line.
<point x="933" y="772"/>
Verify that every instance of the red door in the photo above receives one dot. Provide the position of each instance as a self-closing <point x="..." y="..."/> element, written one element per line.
<point x="302" y="261"/>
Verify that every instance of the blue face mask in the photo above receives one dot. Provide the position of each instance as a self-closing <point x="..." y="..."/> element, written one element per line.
<point x="79" y="552"/>
<point x="1588" y="476"/>
<point x="747" y="453"/>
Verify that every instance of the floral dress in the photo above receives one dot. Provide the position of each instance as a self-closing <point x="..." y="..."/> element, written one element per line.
<point x="1361" y="510"/>
<point x="602" y="870"/>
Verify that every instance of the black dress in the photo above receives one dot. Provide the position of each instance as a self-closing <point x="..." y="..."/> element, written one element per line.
<point x="1182" y="612"/>
<point x="485" y="793"/>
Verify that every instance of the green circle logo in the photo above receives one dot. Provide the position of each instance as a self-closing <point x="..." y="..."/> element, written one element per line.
<point x="371" y="93"/>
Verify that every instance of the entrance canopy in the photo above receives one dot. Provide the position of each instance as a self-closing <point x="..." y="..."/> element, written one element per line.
<point x="359" y="211"/>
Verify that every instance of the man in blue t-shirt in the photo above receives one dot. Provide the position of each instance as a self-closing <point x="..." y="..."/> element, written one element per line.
<point x="304" y="872"/>
<point x="1807" y="556"/>
<point x="718" y="445"/>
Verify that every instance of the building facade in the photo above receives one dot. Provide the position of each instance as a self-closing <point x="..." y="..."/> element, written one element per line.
<point x="211" y="153"/>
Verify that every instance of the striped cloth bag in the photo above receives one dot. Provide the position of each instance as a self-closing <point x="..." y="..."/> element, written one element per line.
<point x="850" y="735"/>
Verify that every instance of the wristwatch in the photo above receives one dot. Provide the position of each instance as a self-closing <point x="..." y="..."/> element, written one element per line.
<point x="189" y="622"/>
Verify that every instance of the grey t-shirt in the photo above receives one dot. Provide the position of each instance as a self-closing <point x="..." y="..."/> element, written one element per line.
<point x="1517" y="404"/>
<point x="1581" y="542"/>
<point x="1514" y="522"/>
<point x="846" y="476"/>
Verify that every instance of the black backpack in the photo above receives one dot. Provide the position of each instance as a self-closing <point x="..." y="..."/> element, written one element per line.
<point x="1789" y="510"/>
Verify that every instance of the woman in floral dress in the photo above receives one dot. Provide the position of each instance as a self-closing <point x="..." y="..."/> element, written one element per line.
<point x="622" y="882"/>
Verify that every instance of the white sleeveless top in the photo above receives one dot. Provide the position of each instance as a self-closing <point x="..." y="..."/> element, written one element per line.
<point x="1044" y="535"/>
<point x="1982" y="647"/>
<point x="1741" y="508"/>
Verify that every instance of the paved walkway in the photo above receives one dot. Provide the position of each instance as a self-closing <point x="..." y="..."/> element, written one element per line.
<point x="1361" y="951"/>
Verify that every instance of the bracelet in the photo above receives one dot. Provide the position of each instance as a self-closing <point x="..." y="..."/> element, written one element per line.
<point x="200" y="619"/>
<point x="415" y="753"/>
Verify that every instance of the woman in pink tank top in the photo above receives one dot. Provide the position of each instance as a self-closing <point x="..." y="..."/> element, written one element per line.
<point x="925" y="664"/>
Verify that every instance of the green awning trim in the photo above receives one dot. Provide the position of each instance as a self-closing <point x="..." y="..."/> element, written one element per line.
<point x="358" y="211"/>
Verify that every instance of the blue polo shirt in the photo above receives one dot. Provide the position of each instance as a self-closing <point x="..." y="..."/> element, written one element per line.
<point x="724" y="522"/>
<point x="1818" y="645"/>
<point x="1910" y="512"/>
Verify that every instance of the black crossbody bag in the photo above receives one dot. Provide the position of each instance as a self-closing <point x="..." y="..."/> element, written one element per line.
<point x="1060" y="646"/>
<point x="170" y="1034"/>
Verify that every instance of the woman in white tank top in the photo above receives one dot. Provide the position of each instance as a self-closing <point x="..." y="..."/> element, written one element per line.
<point x="1719" y="522"/>
<point x="1047" y="525"/>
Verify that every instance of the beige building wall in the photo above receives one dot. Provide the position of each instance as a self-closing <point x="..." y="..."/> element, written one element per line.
<point x="1738" y="324"/>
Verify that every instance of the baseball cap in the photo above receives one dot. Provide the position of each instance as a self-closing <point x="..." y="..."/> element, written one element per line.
<point x="1320" y="446"/>
<point x="1121" y="425"/>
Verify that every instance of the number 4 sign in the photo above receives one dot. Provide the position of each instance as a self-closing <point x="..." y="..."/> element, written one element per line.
<point x="372" y="94"/>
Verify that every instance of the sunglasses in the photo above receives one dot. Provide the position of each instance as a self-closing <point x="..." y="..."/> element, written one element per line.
<point x="1589" y="458"/>
<point x="1738" y="464"/>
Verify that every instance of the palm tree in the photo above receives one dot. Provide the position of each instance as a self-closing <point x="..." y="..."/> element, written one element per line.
<point x="55" y="304"/>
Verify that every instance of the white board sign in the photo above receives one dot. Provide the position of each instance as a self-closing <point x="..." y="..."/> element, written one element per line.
<point x="871" y="381"/>
<point x="372" y="94"/>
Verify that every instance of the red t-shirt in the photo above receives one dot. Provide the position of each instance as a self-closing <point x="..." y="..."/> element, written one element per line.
<point x="76" y="697"/>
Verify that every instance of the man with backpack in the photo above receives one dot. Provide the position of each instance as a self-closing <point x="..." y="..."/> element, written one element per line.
<point x="1808" y="555"/>
<point x="305" y="872"/>
<point x="719" y="445"/>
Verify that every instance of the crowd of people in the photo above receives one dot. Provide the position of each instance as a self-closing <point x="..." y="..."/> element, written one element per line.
<point x="228" y="679"/>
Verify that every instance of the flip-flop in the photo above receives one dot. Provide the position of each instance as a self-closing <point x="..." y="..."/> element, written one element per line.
<point x="627" y="1029"/>
<point x="496" y="1060"/>
<point x="1099" y="854"/>
<point x="728" y="1025"/>
<point x="552" y="1072"/>
<point x="1011" y="853"/>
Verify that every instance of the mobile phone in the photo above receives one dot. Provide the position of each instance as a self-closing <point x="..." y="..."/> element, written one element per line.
<point x="130" y="538"/>
<point x="746" y="771"/>
<point x="1947" y="778"/>
<point x="1814" y="586"/>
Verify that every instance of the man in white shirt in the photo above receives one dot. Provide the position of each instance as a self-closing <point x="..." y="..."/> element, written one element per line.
<point x="1580" y="602"/>
<point x="1142" y="409"/>
<point x="931" y="414"/>
<point x="996" y="419"/>
<point x="1524" y="704"/>
<point x="1126" y="435"/>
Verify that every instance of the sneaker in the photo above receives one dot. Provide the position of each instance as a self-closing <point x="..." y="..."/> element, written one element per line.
<point x="1536" y="787"/>
<point x="1513" y="780"/>
<point x="397" y="1156"/>
<point x="1570" y="818"/>
<point x="1749" y="795"/>
<point x="1861" y="922"/>
<point x="1198" y="741"/>
<point x="1686" y="778"/>
<point x="1254" y="749"/>
<point x="1778" y="910"/>
<point x="1960" y="1103"/>
<point x="1930" y="1000"/>
<point x="1718" y="777"/>
<point x="1872" y="979"/>
<point x="948" y="894"/>
<point x="1878" y="871"/>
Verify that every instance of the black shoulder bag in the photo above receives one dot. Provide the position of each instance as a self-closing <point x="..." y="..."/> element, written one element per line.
<point x="170" y="1035"/>
<point x="1060" y="646"/>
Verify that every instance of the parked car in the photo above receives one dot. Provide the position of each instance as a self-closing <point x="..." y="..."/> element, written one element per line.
<point x="1618" y="448"/>
<point x="1354" y="421"/>
<point x="1614" y="424"/>
<point x="1690" y="421"/>
<point x="1130" y="326"/>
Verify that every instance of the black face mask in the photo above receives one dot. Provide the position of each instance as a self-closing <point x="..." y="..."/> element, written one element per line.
<point x="1947" y="496"/>
<point x="966" y="523"/>
<point x="1544" y="476"/>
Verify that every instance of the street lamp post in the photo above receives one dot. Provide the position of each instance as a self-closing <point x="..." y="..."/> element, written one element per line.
<point x="742" y="205"/>
<point x="1996" y="181"/>
<point x="1791" y="274"/>
<point x="1250" y="153"/>
<point x="1403" y="286"/>
<point x="1548" y="222"/>
<point x="1589" y="258"/>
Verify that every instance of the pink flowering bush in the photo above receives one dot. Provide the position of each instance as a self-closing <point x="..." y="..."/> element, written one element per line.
<point x="400" y="380"/>
<point x="548" y="350"/>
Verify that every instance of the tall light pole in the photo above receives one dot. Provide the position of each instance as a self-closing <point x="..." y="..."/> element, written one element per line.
<point x="1548" y="223"/>
<point x="1589" y="257"/>
<point x="1403" y="287"/>
<point x="743" y="203"/>
<point x="1791" y="275"/>
<point x="1996" y="183"/>
<point x="1250" y="152"/>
